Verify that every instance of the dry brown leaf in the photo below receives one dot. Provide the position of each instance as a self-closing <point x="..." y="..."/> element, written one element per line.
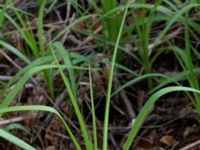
<point x="188" y="131"/>
<point x="143" y="144"/>
<point x="168" y="140"/>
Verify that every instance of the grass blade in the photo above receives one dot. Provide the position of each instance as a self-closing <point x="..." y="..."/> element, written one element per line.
<point x="42" y="108"/>
<point x="68" y="61"/>
<point x="74" y="103"/>
<point x="108" y="96"/>
<point x="15" y="140"/>
<point x="145" y="109"/>
<point x="15" y="51"/>
<point x="93" y="112"/>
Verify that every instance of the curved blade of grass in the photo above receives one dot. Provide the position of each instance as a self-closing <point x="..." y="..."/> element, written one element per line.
<point x="17" y="126"/>
<point x="22" y="71"/>
<point x="18" y="86"/>
<point x="15" y="140"/>
<point x="42" y="108"/>
<point x="180" y="55"/>
<point x="36" y="62"/>
<point x="178" y="77"/>
<point x="76" y="58"/>
<point x="145" y="109"/>
<point x="140" y="78"/>
<point x="108" y="96"/>
<point x="74" y="103"/>
<point x="170" y="4"/>
<point x="15" y="51"/>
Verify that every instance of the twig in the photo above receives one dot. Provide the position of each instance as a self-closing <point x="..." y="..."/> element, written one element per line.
<point x="116" y="147"/>
<point x="66" y="34"/>
<point x="126" y="102"/>
<point x="5" y="78"/>
<point x="9" y="59"/>
<point x="12" y="120"/>
<point x="188" y="147"/>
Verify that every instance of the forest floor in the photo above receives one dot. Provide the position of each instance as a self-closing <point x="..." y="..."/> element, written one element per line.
<point x="171" y="124"/>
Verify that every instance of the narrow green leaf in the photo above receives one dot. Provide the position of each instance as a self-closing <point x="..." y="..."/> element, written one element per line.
<point x="15" y="140"/>
<point x="145" y="109"/>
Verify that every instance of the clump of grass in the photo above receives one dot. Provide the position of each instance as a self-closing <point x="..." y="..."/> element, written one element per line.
<point x="185" y="59"/>
<point x="36" y="47"/>
<point x="143" y="27"/>
<point x="48" y="56"/>
<point x="35" y="42"/>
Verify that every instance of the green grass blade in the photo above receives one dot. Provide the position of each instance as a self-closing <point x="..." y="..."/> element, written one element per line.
<point x="15" y="51"/>
<point x="22" y="71"/>
<point x="2" y="11"/>
<point x="40" y="28"/>
<point x="15" y="140"/>
<point x="192" y="78"/>
<point x="145" y="109"/>
<point x="68" y="61"/>
<point x="108" y="96"/>
<point x="27" y="35"/>
<point x="161" y="9"/>
<point x="17" y="126"/>
<point x="170" y="3"/>
<point x="52" y="5"/>
<point x="112" y="21"/>
<point x="42" y="108"/>
<point x="18" y="86"/>
<point x="175" y="78"/>
<point x="140" y="78"/>
<point x="74" y="103"/>
<point x="93" y="112"/>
